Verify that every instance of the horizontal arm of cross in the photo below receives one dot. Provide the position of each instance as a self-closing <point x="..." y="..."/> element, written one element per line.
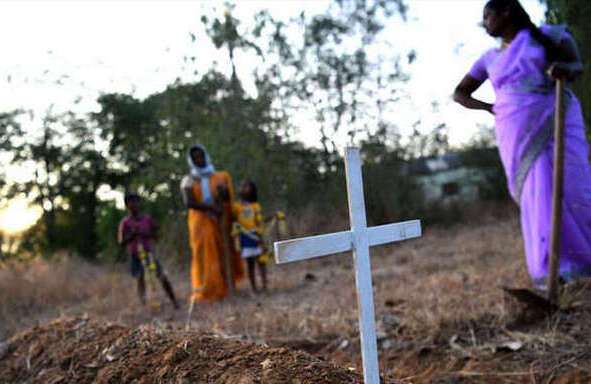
<point x="323" y="245"/>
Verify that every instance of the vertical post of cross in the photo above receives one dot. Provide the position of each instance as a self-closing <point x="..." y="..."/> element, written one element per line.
<point x="358" y="240"/>
<point x="369" y="352"/>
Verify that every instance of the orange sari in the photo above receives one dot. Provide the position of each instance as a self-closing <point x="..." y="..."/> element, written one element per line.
<point x="207" y="268"/>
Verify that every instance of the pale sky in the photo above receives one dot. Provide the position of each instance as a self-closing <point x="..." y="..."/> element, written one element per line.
<point x="138" y="47"/>
<point x="448" y="41"/>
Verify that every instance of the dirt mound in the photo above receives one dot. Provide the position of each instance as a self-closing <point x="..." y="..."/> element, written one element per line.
<point x="81" y="350"/>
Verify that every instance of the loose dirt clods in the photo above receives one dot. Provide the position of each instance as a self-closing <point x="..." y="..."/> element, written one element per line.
<point x="82" y="350"/>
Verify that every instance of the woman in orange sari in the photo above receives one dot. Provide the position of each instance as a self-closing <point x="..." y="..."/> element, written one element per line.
<point x="208" y="195"/>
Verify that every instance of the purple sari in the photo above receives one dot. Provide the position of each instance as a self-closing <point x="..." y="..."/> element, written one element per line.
<point x="524" y="119"/>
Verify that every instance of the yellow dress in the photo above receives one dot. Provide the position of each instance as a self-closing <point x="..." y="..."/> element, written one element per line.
<point x="249" y="216"/>
<point x="207" y="268"/>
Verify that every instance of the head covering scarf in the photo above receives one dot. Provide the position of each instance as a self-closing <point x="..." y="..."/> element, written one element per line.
<point x="202" y="173"/>
<point x="196" y="171"/>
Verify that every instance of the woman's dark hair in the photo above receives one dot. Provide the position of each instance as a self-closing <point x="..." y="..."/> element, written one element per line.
<point x="519" y="17"/>
<point x="253" y="196"/>
<point x="129" y="196"/>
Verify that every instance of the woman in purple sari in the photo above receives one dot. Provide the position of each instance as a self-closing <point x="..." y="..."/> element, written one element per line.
<point x="522" y="72"/>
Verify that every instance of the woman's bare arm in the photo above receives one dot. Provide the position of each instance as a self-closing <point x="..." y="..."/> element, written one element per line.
<point x="463" y="94"/>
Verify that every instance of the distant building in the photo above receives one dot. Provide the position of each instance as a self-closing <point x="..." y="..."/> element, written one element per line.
<point x="453" y="177"/>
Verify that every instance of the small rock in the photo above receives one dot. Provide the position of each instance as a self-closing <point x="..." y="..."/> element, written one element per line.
<point x="510" y="346"/>
<point x="344" y="344"/>
<point x="266" y="364"/>
<point x="389" y="319"/>
<point x="386" y="344"/>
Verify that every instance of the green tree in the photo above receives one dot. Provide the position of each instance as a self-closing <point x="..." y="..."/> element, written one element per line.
<point x="577" y="15"/>
<point x="330" y="69"/>
<point x="224" y="33"/>
<point x="390" y="190"/>
<point x="62" y="171"/>
<point x="141" y="144"/>
<point x="149" y="139"/>
<point x="39" y="151"/>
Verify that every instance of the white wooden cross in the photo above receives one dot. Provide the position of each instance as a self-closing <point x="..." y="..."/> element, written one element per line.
<point x="358" y="240"/>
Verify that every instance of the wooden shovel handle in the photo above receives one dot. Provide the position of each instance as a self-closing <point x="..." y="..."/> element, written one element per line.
<point x="557" y="193"/>
<point x="223" y="223"/>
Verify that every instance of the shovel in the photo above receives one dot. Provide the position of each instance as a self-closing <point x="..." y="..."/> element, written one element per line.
<point x="533" y="299"/>
<point x="227" y="254"/>
<point x="557" y="193"/>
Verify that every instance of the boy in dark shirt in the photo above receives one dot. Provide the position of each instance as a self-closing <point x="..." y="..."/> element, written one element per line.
<point x="137" y="232"/>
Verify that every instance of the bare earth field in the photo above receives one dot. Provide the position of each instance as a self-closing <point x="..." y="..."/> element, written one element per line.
<point x="441" y="318"/>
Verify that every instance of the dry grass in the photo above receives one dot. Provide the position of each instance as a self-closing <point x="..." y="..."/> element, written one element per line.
<point x="441" y="316"/>
<point x="39" y="290"/>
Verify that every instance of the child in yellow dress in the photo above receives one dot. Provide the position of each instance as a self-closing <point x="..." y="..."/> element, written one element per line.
<point x="247" y="214"/>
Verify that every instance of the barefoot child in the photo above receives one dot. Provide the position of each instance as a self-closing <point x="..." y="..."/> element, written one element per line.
<point x="247" y="213"/>
<point x="137" y="231"/>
